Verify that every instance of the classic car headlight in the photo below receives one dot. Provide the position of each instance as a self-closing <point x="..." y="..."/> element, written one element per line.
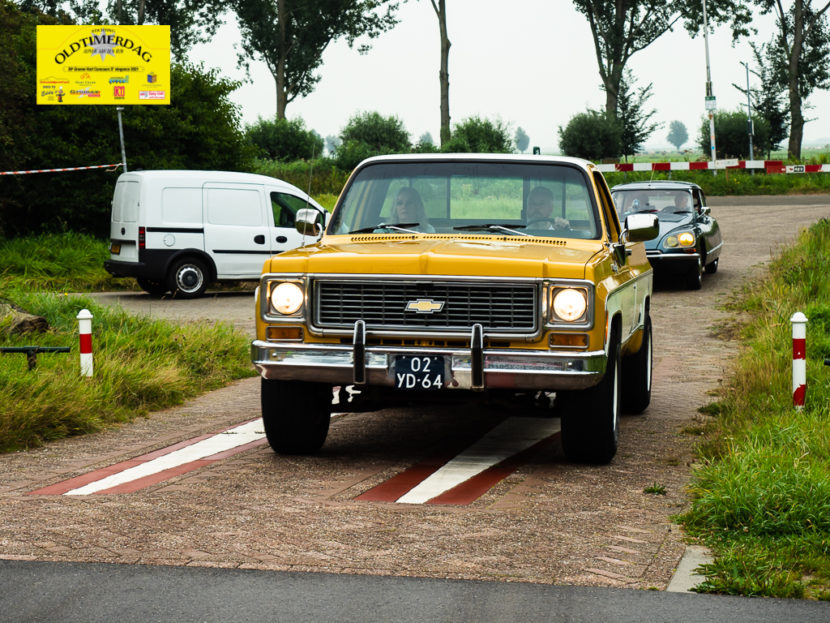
<point x="287" y="298"/>
<point x="569" y="304"/>
<point x="683" y="239"/>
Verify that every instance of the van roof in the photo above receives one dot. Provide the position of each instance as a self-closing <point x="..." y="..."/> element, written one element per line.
<point x="204" y="176"/>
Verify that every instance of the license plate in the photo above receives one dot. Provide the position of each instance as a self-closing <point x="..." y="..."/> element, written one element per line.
<point x="115" y="248"/>
<point x="419" y="372"/>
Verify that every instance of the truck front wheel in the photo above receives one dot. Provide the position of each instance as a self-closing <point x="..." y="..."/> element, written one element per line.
<point x="296" y="415"/>
<point x="591" y="417"/>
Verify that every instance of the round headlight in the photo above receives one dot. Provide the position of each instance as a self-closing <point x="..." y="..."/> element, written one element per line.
<point x="686" y="239"/>
<point x="287" y="298"/>
<point x="569" y="304"/>
<point x="671" y="241"/>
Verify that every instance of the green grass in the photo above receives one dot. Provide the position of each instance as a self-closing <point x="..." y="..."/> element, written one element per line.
<point x="761" y="498"/>
<point x="140" y="365"/>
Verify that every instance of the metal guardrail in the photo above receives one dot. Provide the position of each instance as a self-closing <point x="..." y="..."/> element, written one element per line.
<point x="31" y="352"/>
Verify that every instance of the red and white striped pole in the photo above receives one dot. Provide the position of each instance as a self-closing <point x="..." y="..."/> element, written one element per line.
<point x="799" y="322"/>
<point x="85" y="336"/>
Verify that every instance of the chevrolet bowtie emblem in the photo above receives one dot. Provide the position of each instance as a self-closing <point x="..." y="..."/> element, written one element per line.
<point x="424" y="306"/>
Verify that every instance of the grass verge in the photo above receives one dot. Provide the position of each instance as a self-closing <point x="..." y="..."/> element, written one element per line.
<point x="141" y="365"/>
<point x="761" y="498"/>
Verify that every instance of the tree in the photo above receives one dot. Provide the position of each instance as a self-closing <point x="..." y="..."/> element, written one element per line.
<point x="190" y="21"/>
<point x="371" y="134"/>
<point x="621" y="29"/>
<point x="634" y="119"/>
<point x="477" y="135"/>
<point x="290" y="36"/>
<point x="800" y="55"/>
<point x="522" y="140"/>
<point x="440" y="8"/>
<point x="284" y="140"/>
<point x="678" y="134"/>
<point x="731" y="132"/>
<point x="767" y="99"/>
<point x="593" y="135"/>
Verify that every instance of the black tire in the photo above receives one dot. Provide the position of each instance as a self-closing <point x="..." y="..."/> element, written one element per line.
<point x="694" y="278"/>
<point x="296" y="415"/>
<point x="636" y="375"/>
<point x="712" y="267"/>
<point x="188" y="278"/>
<point x="155" y="288"/>
<point x="591" y="417"/>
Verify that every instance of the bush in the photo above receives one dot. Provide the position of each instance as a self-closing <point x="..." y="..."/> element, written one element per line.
<point x="592" y="135"/>
<point x="731" y="137"/>
<point x="476" y="135"/>
<point x="284" y="140"/>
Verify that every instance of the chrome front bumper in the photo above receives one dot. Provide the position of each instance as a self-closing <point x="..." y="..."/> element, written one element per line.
<point x="477" y="368"/>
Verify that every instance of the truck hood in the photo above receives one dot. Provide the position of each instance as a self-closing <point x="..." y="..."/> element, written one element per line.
<point x="441" y="254"/>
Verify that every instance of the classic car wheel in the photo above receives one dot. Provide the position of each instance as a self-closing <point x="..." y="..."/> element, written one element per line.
<point x="188" y="279"/>
<point x="296" y="415"/>
<point x="591" y="418"/>
<point x="152" y="287"/>
<point x="712" y="268"/>
<point x="694" y="278"/>
<point x="636" y="375"/>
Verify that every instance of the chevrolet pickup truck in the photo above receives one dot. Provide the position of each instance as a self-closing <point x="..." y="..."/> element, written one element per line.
<point x="466" y="274"/>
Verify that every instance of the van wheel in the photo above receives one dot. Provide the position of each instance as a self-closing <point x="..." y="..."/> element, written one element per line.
<point x="152" y="287"/>
<point x="295" y="415"/>
<point x="591" y="417"/>
<point x="188" y="279"/>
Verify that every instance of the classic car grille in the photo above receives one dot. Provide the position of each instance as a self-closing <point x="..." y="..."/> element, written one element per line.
<point x="383" y="305"/>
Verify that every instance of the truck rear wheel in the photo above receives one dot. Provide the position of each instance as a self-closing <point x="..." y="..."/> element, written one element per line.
<point x="296" y="415"/>
<point x="636" y="375"/>
<point x="591" y="417"/>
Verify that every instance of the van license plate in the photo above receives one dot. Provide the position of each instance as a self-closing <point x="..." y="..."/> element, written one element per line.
<point x="115" y="248"/>
<point x="419" y="372"/>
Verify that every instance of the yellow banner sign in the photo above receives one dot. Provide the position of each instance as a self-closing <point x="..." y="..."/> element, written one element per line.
<point x="103" y="65"/>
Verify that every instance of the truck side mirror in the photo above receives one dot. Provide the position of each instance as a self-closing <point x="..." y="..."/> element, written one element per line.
<point x="309" y="222"/>
<point x="640" y="227"/>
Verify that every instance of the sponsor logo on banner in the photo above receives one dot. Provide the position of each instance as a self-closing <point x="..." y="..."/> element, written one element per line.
<point x="119" y="92"/>
<point x="153" y="77"/>
<point x="151" y="95"/>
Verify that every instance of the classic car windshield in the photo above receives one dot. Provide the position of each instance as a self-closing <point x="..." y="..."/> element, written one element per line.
<point x="476" y="198"/>
<point x="666" y="203"/>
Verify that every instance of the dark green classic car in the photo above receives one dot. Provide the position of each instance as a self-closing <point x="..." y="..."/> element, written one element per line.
<point x="689" y="242"/>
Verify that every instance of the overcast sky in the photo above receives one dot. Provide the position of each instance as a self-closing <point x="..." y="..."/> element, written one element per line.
<point x="531" y="66"/>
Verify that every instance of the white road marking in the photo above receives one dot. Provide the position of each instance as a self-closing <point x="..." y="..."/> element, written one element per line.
<point x="231" y="438"/>
<point x="508" y="438"/>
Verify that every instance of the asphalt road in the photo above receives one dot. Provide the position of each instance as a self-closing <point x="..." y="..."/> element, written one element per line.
<point x="84" y="593"/>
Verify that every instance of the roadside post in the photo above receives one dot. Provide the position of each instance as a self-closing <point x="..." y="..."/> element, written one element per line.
<point x="85" y="341"/>
<point x="799" y="322"/>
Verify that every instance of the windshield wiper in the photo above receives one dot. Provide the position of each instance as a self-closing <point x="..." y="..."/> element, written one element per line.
<point x="494" y="227"/>
<point x="397" y="226"/>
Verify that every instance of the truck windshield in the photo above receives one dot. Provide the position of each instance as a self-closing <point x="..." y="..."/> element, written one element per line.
<point x="469" y="198"/>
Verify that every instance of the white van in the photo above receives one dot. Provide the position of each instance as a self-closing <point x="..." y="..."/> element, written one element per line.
<point x="178" y="231"/>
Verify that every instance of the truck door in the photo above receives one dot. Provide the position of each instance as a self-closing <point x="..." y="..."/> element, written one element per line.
<point x="236" y="229"/>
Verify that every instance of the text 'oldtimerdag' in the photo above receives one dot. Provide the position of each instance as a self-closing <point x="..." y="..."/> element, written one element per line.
<point x="103" y="65"/>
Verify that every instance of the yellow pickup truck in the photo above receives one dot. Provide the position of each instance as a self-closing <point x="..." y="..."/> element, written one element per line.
<point x="474" y="274"/>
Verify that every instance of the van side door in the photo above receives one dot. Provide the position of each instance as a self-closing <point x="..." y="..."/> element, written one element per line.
<point x="284" y="207"/>
<point x="236" y="228"/>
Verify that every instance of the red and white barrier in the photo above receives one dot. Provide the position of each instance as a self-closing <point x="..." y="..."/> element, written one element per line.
<point x="799" y="322"/>
<point x="770" y="166"/>
<point x="85" y="338"/>
<point x="96" y="166"/>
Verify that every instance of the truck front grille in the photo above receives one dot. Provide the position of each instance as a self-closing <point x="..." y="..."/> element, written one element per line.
<point x="392" y="305"/>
